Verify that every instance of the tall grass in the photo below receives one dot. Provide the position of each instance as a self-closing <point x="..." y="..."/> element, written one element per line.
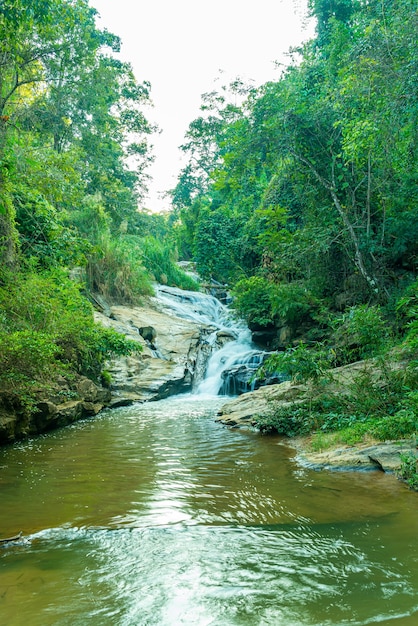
<point x="160" y="258"/>
<point x="115" y="270"/>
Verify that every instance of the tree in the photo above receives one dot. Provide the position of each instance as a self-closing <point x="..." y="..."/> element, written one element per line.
<point x="79" y="109"/>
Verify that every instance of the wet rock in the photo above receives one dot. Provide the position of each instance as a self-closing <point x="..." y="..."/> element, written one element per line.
<point x="243" y="410"/>
<point x="62" y="405"/>
<point x="173" y="363"/>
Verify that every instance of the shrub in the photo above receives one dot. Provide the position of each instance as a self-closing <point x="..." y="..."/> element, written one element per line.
<point x="263" y="303"/>
<point x="252" y="301"/>
<point x="115" y="270"/>
<point x="361" y="333"/>
<point x="289" y="421"/>
<point x="300" y="364"/>
<point x="47" y="327"/>
<point x="397" y="426"/>
<point x="409" y="470"/>
<point x="26" y="356"/>
<point x="292" y="303"/>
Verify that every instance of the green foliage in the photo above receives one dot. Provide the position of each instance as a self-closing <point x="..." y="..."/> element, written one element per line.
<point x="290" y="421"/>
<point x="90" y="347"/>
<point x="115" y="270"/>
<point x="47" y="328"/>
<point x="398" y="426"/>
<point x="317" y="171"/>
<point x="360" y="333"/>
<point x="409" y="470"/>
<point x="216" y="243"/>
<point x="252" y="301"/>
<point x="122" y="268"/>
<point x="70" y="115"/>
<point x="43" y="234"/>
<point x="292" y="303"/>
<point x="300" y="364"/>
<point x="407" y="311"/>
<point x="26" y="356"/>
<point x="263" y="303"/>
<point x="160" y="259"/>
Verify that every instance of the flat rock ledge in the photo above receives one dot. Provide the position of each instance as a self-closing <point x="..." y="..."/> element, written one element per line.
<point x="242" y="412"/>
<point x="384" y="456"/>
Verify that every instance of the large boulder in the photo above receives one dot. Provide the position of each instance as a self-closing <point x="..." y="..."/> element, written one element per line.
<point x="61" y="405"/>
<point x="242" y="411"/>
<point x="173" y="358"/>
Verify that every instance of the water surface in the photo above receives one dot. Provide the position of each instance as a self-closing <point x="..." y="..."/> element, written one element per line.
<point x="156" y="515"/>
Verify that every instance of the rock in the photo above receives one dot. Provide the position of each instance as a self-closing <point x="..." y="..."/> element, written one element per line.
<point x="384" y="456"/>
<point x="148" y="333"/>
<point x="266" y="339"/>
<point x="223" y="337"/>
<point x="175" y="352"/>
<point x="243" y="410"/>
<point x="62" y="405"/>
<point x="92" y="393"/>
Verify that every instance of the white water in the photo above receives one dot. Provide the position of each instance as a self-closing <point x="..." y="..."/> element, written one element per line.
<point x="207" y="310"/>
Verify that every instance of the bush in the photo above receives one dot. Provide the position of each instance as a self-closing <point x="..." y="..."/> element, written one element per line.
<point x="26" y="356"/>
<point x="43" y="234"/>
<point x="115" y="270"/>
<point x="409" y="470"/>
<point x="160" y="259"/>
<point x="289" y="421"/>
<point x="47" y="328"/>
<point x="397" y="426"/>
<point x="263" y="303"/>
<point x="300" y="364"/>
<point x="361" y="333"/>
<point x="292" y="303"/>
<point x="252" y="301"/>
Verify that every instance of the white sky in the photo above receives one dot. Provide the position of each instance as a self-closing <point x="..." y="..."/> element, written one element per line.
<point x="180" y="46"/>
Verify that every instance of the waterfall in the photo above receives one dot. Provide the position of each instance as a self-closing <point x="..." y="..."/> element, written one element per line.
<point x="231" y="368"/>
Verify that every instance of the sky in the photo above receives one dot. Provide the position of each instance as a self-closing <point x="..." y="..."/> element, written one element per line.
<point x="185" y="48"/>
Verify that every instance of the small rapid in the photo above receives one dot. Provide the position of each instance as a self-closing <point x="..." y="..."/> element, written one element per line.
<point x="231" y="368"/>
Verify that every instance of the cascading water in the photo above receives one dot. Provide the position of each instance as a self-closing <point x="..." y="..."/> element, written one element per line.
<point x="231" y="369"/>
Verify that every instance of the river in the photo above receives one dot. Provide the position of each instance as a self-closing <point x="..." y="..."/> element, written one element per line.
<point x="156" y="515"/>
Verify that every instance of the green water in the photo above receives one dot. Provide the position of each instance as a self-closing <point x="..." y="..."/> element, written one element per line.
<point x="155" y="515"/>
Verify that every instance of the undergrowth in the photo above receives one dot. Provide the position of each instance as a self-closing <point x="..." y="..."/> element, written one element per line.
<point x="377" y="400"/>
<point x="47" y="330"/>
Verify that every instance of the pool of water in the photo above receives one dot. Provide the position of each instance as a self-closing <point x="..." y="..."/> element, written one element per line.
<point x="157" y="515"/>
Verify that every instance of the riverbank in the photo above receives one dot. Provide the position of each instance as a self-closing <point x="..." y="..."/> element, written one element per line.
<point x="251" y="409"/>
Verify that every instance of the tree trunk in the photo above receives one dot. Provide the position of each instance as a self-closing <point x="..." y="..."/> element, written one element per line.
<point x="8" y="235"/>
<point x="358" y="255"/>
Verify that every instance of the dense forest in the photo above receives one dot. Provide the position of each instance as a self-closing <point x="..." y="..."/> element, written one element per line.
<point x="301" y="195"/>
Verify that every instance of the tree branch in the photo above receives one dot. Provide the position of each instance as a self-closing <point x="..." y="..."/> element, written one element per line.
<point x="358" y="256"/>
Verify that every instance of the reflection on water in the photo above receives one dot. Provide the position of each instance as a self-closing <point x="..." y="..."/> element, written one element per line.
<point x="156" y="515"/>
